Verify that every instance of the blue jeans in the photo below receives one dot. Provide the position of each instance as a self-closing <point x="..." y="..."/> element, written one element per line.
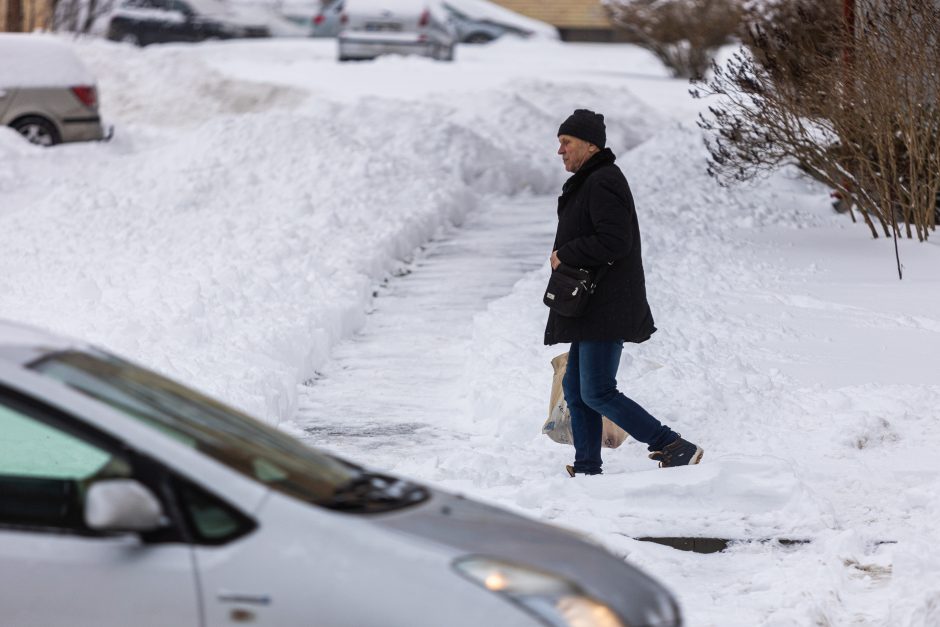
<point x="590" y="387"/>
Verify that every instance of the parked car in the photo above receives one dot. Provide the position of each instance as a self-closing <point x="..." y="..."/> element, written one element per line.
<point x="304" y="13"/>
<point x="144" y="22"/>
<point x="46" y="93"/>
<point x="129" y="499"/>
<point x="330" y="19"/>
<point x="480" y="30"/>
<point x="416" y="27"/>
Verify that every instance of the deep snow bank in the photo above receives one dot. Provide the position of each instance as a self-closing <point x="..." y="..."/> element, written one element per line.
<point x="234" y="229"/>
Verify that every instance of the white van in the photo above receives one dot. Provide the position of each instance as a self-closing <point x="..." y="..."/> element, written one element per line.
<point x="376" y="27"/>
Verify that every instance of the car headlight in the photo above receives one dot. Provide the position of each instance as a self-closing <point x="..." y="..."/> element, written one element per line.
<point x="555" y="600"/>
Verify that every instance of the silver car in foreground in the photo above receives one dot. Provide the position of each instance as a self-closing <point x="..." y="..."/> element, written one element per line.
<point x="409" y="27"/>
<point x="128" y="499"/>
<point x="46" y="94"/>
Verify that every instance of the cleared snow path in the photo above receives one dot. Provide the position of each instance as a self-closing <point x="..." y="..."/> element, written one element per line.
<point x="397" y="383"/>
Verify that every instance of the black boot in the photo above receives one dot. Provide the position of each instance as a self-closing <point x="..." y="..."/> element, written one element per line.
<point x="679" y="453"/>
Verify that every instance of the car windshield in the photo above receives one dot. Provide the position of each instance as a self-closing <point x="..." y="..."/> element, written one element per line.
<point x="225" y="434"/>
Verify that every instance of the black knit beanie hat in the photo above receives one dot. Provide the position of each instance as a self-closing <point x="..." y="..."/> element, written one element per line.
<point x="585" y="125"/>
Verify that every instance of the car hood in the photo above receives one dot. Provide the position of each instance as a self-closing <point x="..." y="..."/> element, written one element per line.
<point x="473" y="528"/>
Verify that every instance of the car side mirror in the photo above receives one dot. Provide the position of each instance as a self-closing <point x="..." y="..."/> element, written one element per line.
<point x="122" y="505"/>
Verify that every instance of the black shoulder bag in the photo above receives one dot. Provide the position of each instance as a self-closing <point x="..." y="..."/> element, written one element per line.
<point x="569" y="289"/>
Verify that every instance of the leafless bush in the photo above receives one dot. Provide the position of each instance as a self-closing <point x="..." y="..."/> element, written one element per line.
<point x="683" y="34"/>
<point x="793" y="40"/>
<point x="855" y="105"/>
<point x="78" y="16"/>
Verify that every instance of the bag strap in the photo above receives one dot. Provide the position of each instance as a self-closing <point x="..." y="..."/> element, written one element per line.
<point x="600" y="275"/>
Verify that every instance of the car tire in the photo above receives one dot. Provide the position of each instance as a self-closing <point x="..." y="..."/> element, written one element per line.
<point x="448" y="53"/>
<point x="37" y="130"/>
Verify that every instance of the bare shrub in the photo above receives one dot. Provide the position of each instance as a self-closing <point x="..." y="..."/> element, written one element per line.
<point x="793" y="40"/>
<point x="856" y="106"/>
<point x="78" y="16"/>
<point x="683" y="34"/>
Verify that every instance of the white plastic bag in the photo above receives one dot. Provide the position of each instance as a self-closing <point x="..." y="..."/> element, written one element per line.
<point x="558" y="424"/>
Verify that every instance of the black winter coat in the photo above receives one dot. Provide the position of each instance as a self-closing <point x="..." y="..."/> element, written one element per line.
<point x="597" y="224"/>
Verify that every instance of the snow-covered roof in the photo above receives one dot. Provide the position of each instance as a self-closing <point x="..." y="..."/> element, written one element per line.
<point x="33" y="60"/>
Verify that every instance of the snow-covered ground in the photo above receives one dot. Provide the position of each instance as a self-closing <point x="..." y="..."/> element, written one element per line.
<point x="357" y="253"/>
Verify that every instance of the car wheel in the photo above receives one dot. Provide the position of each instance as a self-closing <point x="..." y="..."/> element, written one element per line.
<point x="448" y="54"/>
<point x="130" y="38"/>
<point x="36" y="130"/>
<point x="478" y="38"/>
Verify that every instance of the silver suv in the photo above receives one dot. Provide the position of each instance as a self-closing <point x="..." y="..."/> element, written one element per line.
<point x="46" y="94"/>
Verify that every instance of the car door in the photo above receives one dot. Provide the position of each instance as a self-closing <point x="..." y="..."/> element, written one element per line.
<point x="144" y="21"/>
<point x="167" y="24"/>
<point x="54" y="569"/>
<point x="192" y="26"/>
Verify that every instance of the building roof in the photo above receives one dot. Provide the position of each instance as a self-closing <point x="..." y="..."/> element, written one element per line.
<point x="562" y="13"/>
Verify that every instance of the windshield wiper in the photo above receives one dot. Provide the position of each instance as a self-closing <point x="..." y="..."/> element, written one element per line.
<point x="371" y="492"/>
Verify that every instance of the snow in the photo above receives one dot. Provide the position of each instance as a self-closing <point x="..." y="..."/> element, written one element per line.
<point x="151" y="15"/>
<point x="357" y="253"/>
<point x="211" y="8"/>
<point x="39" y="61"/>
<point x="17" y="334"/>
<point x="290" y="18"/>
<point x="376" y="7"/>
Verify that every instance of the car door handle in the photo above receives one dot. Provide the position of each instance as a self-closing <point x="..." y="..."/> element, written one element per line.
<point x="226" y="596"/>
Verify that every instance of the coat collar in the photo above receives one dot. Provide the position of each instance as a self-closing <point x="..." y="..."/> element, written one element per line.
<point x="604" y="157"/>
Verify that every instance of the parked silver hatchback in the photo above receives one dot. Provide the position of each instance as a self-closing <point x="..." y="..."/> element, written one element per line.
<point x="410" y="27"/>
<point x="46" y="93"/>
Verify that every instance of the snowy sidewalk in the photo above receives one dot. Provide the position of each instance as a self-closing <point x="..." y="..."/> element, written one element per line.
<point x="397" y="383"/>
<point x="440" y="385"/>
